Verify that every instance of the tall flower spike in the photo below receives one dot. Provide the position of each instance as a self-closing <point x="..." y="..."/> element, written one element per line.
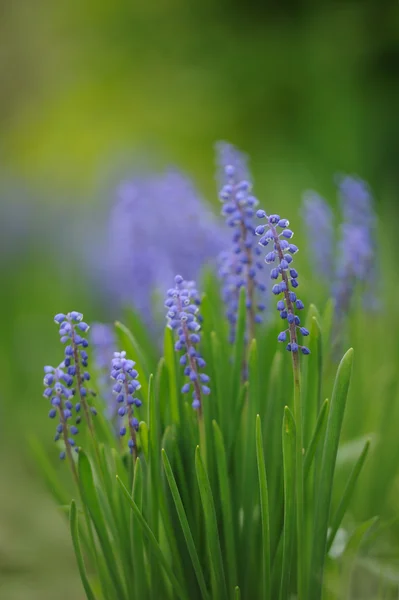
<point x="57" y="390"/>
<point x="357" y="246"/>
<point x="76" y="359"/>
<point x="184" y="319"/>
<point x="125" y="387"/>
<point x="318" y="219"/>
<point x="286" y="276"/>
<point x="242" y="268"/>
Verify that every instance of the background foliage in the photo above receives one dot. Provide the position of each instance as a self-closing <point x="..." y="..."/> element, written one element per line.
<point x="91" y="88"/>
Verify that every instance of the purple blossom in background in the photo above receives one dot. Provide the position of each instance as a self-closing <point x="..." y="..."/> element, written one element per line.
<point x="103" y="343"/>
<point x="319" y="222"/>
<point x="183" y="318"/>
<point x="240" y="266"/>
<point x="357" y="244"/>
<point x="286" y="276"/>
<point x="159" y="225"/>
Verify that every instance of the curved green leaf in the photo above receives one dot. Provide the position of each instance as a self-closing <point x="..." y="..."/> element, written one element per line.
<point x="73" y="523"/>
<point x="211" y="527"/>
<point x="264" y="507"/>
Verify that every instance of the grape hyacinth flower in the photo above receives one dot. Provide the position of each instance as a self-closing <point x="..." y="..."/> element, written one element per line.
<point x="125" y="387"/>
<point x="286" y="276"/>
<point x="183" y="318"/>
<point x="76" y="358"/>
<point x="318" y="219"/>
<point x="239" y="210"/>
<point x="357" y="246"/>
<point x="277" y="234"/>
<point x="58" y="391"/>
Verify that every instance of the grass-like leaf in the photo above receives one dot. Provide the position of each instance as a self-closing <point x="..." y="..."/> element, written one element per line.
<point x="73" y="523"/>
<point x="154" y="546"/>
<point x="264" y="507"/>
<point x="90" y="498"/>
<point x="289" y="441"/>
<point x="211" y="527"/>
<point x="225" y="498"/>
<point x="347" y="495"/>
<point x="185" y="526"/>
<point x="326" y="475"/>
<point x="317" y="434"/>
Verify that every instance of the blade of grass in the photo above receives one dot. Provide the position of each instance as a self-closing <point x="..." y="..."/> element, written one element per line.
<point x="347" y="495"/>
<point x="155" y="547"/>
<point x="225" y="499"/>
<point x="211" y="527"/>
<point x="317" y="434"/>
<point x="326" y="474"/>
<point x="73" y="523"/>
<point x="289" y="447"/>
<point x="90" y="499"/>
<point x="264" y="507"/>
<point x="185" y="526"/>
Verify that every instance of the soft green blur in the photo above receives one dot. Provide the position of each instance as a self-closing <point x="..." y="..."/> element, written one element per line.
<point x="89" y="88"/>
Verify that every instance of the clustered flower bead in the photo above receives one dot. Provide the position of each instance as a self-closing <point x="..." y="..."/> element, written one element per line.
<point x="125" y="386"/>
<point x="58" y="391"/>
<point x="76" y="358"/>
<point x="281" y="255"/>
<point x="243" y="266"/>
<point x="184" y="319"/>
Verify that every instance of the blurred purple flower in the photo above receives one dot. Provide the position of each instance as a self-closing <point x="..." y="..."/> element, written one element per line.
<point x="159" y="225"/>
<point x="357" y="245"/>
<point x="319" y="222"/>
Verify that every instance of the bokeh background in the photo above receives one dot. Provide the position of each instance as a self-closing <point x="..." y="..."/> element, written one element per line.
<point x="89" y="91"/>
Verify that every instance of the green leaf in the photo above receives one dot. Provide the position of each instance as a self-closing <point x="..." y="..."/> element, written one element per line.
<point x="211" y="527"/>
<point x="347" y="495"/>
<point x="264" y="507"/>
<point x="139" y="579"/>
<point x="226" y="501"/>
<point x="73" y="522"/>
<point x="289" y="442"/>
<point x="237" y="593"/>
<point x="185" y="526"/>
<point x="317" y="434"/>
<point x="143" y="438"/>
<point x="155" y="547"/>
<point x="326" y="474"/>
<point x="350" y="554"/>
<point x="48" y="472"/>
<point x="90" y="498"/>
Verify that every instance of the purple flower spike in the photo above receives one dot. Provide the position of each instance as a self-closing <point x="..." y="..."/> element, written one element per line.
<point x="123" y="372"/>
<point x="288" y="279"/>
<point x="75" y="362"/>
<point x="241" y="266"/>
<point x="59" y="394"/>
<point x="357" y="246"/>
<point x="318" y="219"/>
<point x="183" y="317"/>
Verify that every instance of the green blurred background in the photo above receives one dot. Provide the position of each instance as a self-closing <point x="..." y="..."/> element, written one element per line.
<point x="88" y="90"/>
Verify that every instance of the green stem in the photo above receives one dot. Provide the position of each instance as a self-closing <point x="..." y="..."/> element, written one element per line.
<point x="299" y="479"/>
